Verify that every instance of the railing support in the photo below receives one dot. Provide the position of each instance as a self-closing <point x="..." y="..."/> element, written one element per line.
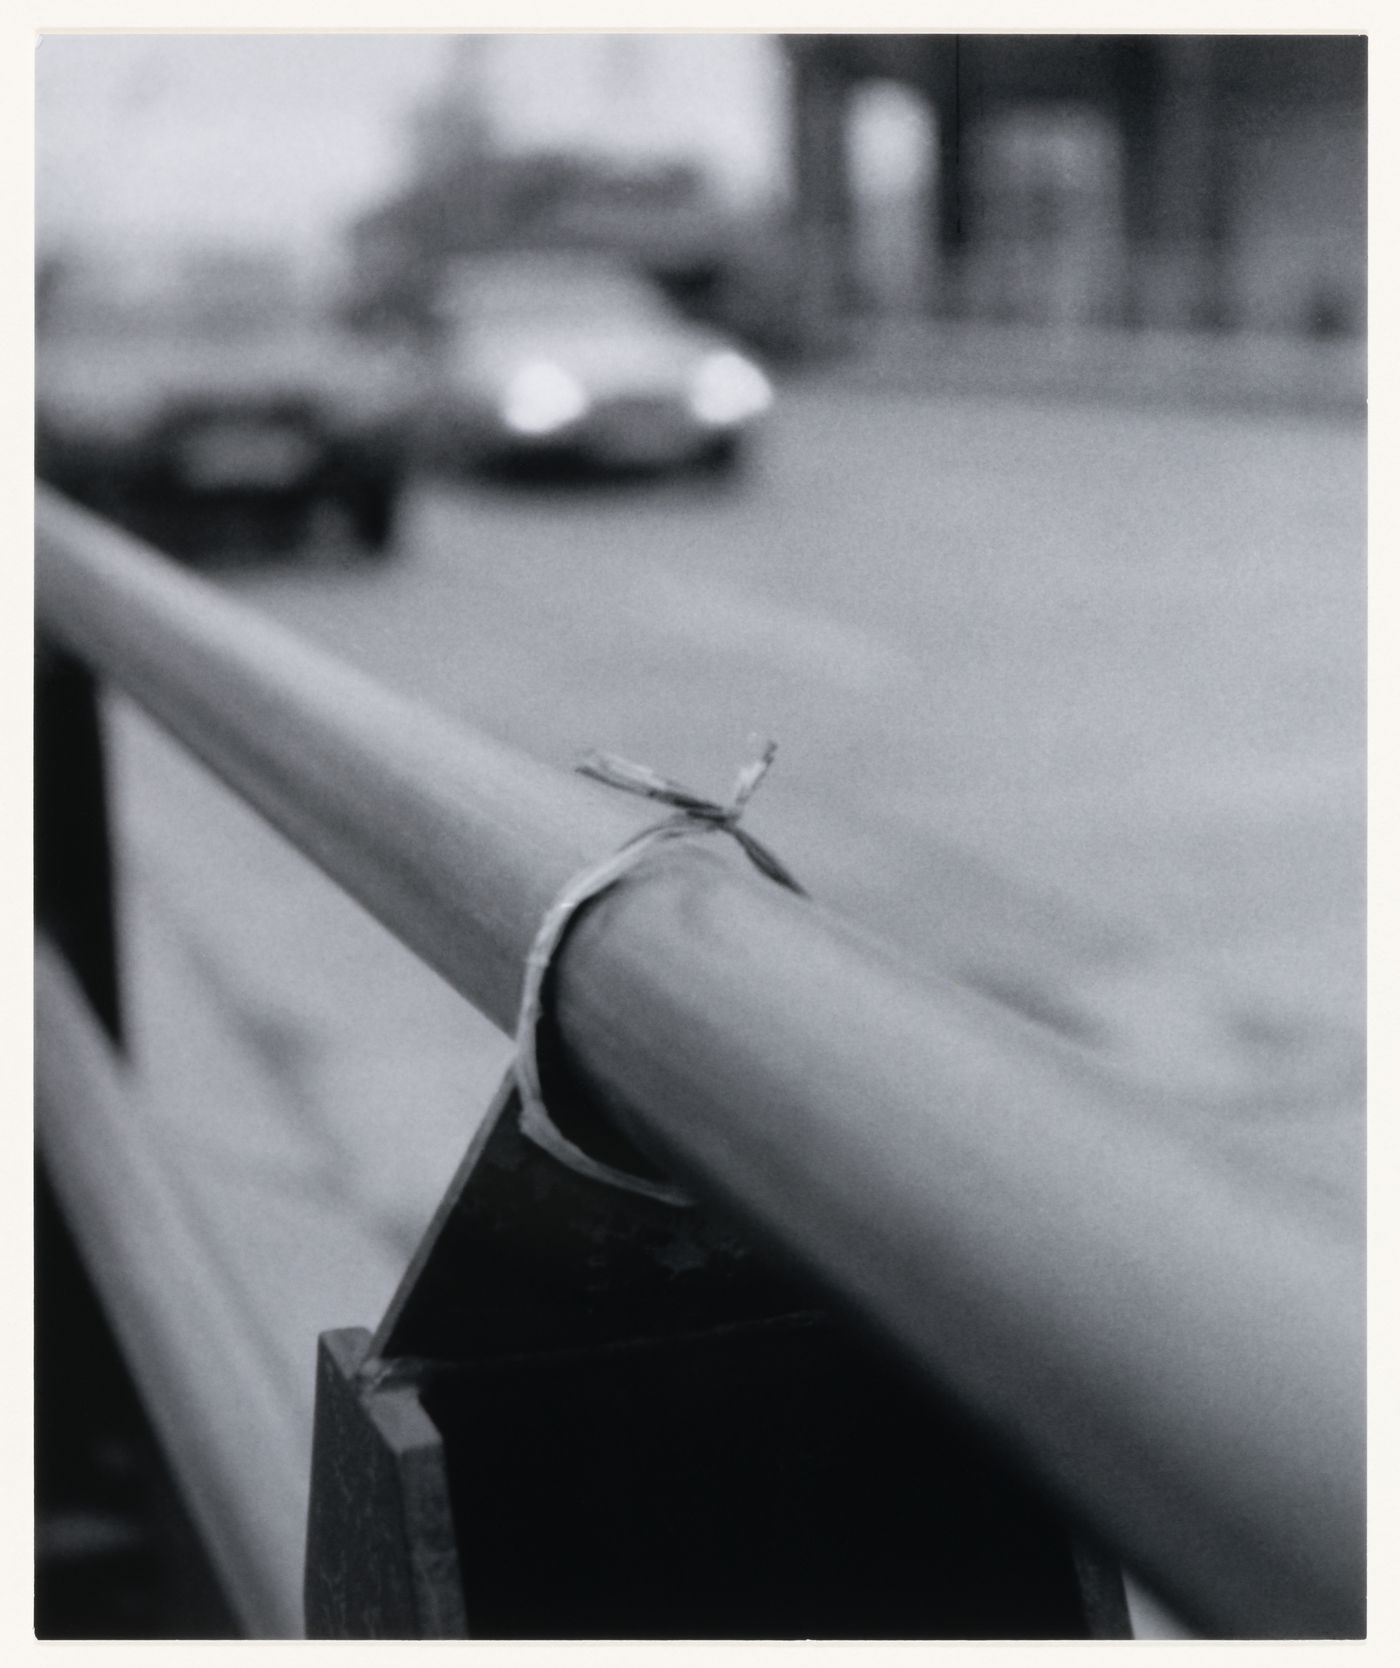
<point x="1175" y="1355"/>
<point x="74" y="898"/>
<point x="589" y="1415"/>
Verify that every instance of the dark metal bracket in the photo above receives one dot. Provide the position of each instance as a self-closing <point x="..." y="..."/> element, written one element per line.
<point x="586" y="1414"/>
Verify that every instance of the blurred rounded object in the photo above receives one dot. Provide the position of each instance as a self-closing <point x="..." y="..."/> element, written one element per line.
<point x="206" y="397"/>
<point x="729" y="389"/>
<point x="580" y="357"/>
<point x="542" y="399"/>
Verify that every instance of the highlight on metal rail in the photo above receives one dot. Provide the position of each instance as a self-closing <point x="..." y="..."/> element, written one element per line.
<point x="956" y="1331"/>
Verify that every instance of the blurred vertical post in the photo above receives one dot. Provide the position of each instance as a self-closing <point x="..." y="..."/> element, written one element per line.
<point x="1177" y="182"/>
<point x="73" y="872"/>
<point x="951" y="204"/>
<point x="822" y="205"/>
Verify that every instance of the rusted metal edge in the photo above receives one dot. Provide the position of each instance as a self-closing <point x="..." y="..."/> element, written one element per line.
<point x="1179" y="1359"/>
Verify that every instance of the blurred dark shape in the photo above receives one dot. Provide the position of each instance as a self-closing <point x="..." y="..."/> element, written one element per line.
<point x="209" y="403"/>
<point x="580" y="357"/>
<point x="115" y="1555"/>
<point x="1153" y="181"/>
<point x="1330" y="313"/>
<point x="51" y="267"/>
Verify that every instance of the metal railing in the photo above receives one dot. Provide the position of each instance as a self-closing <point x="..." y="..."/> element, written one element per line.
<point x="1177" y="1360"/>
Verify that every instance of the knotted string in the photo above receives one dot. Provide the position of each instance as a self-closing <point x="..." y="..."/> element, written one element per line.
<point x="693" y="816"/>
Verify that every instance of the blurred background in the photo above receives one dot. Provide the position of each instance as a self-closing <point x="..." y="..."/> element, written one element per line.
<point x="983" y="417"/>
<point x="793" y="188"/>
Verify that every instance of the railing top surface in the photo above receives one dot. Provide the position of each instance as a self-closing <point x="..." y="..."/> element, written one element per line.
<point x="1177" y="1359"/>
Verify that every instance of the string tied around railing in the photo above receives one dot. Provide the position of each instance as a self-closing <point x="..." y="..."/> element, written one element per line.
<point x="693" y="815"/>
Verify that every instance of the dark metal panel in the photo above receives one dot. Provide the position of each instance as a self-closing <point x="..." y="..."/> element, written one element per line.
<point x="647" y="1433"/>
<point x="769" y="1481"/>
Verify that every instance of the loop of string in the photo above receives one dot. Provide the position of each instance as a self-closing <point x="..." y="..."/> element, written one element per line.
<point x="693" y="816"/>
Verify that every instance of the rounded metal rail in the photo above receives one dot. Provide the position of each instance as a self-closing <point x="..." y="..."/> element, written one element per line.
<point x="1178" y="1358"/>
